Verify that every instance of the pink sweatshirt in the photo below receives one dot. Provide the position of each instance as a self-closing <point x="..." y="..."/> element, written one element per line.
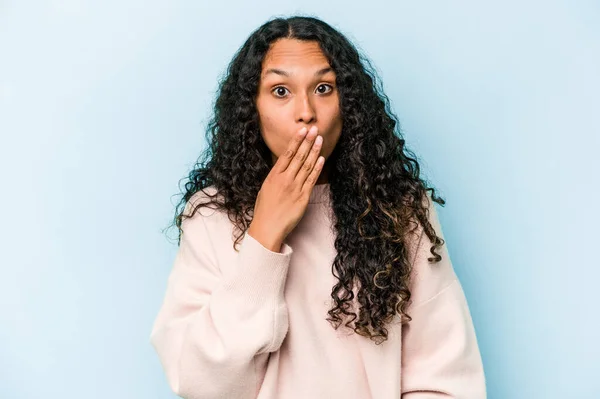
<point x="251" y="324"/>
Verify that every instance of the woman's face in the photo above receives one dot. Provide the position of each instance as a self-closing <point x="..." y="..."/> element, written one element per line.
<point x="297" y="88"/>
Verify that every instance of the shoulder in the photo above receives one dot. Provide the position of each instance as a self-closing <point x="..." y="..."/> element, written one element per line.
<point x="201" y="210"/>
<point x="200" y="203"/>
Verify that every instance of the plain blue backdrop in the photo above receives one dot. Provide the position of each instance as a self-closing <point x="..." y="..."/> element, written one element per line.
<point x="102" y="111"/>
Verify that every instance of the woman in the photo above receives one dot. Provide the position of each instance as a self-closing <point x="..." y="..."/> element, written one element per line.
<point x="303" y="267"/>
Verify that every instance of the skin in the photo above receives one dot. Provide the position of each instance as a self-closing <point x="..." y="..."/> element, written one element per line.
<point x="303" y="98"/>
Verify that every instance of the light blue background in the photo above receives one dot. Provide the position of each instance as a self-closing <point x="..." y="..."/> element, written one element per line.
<point x="102" y="110"/>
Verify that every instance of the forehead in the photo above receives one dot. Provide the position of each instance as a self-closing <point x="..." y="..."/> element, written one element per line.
<point x="292" y="54"/>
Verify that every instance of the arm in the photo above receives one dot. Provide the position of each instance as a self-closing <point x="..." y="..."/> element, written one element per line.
<point x="440" y="355"/>
<point x="211" y="326"/>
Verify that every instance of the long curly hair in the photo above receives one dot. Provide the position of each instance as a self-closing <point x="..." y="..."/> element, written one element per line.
<point x="377" y="194"/>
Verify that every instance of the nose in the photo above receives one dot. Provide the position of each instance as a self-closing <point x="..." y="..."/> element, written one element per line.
<point x="305" y="110"/>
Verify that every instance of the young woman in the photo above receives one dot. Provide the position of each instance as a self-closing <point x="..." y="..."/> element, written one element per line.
<point x="304" y="267"/>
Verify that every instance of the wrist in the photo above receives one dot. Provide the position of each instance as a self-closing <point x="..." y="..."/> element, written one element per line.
<point x="268" y="240"/>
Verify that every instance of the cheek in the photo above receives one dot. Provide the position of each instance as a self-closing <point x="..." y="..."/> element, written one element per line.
<point x="330" y="113"/>
<point x="334" y="124"/>
<point x="273" y="133"/>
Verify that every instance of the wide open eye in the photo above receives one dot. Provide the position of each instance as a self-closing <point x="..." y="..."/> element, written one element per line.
<point x="324" y="85"/>
<point x="279" y="91"/>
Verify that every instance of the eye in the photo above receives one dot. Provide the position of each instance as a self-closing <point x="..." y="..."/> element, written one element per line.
<point x="324" y="85"/>
<point x="278" y="90"/>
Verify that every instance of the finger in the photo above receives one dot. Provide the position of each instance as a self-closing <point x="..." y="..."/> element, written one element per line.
<point x="312" y="178"/>
<point x="310" y="161"/>
<point x="298" y="159"/>
<point x="284" y="160"/>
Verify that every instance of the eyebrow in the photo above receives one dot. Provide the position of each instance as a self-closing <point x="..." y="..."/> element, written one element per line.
<point x="281" y="72"/>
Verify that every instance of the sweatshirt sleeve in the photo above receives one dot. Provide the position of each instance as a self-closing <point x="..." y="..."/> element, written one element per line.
<point x="440" y="355"/>
<point x="211" y="326"/>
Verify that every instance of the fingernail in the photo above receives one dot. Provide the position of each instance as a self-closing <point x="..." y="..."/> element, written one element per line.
<point x="313" y="128"/>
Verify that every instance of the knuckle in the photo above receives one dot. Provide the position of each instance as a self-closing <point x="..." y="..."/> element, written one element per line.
<point x="289" y="153"/>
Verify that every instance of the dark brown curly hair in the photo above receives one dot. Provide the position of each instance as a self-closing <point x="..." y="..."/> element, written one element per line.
<point x="378" y="197"/>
